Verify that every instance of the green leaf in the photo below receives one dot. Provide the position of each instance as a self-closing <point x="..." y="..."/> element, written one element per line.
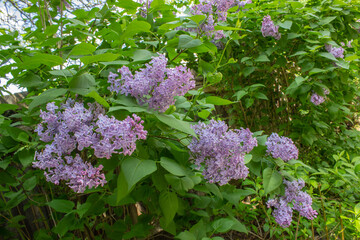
<point x="5" y="107"/>
<point x="127" y="4"/>
<point x="82" y="84"/>
<point x="286" y="24"/>
<point x="40" y="58"/>
<point x="204" y="114"/>
<point x="316" y="70"/>
<point x="299" y="80"/>
<point x="197" y="18"/>
<point x="30" y="183"/>
<point x="186" y="235"/>
<point x="248" y="70"/>
<point x="293" y="35"/>
<point x="63" y="73"/>
<point x="260" y="95"/>
<point x="272" y="180"/>
<point x="180" y="184"/>
<point x="186" y="41"/>
<point x="326" y="20"/>
<point x="169" y="205"/>
<point x="238" y="226"/>
<point x="133" y="28"/>
<point x="61" y="205"/>
<point x="83" y="49"/>
<point x="262" y="58"/>
<point x="351" y="58"/>
<point x="105" y="57"/>
<point x="343" y="64"/>
<point x="26" y="157"/>
<point x="46" y="97"/>
<point x="222" y="225"/>
<point x="172" y="166"/>
<point x="177" y="124"/>
<point x="328" y="56"/>
<point x="240" y="94"/>
<point x="98" y="98"/>
<point x="65" y="224"/>
<point x="132" y="171"/>
<point x="218" y="101"/>
<point x="142" y="55"/>
<point x="117" y="62"/>
<point x="135" y="109"/>
<point x="215" y="78"/>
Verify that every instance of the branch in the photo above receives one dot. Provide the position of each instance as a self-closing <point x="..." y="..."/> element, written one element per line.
<point x="21" y="11"/>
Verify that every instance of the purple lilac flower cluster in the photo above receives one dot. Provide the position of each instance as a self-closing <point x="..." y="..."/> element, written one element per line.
<point x="206" y="8"/>
<point x="317" y="99"/>
<point x="294" y="199"/>
<point x="281" y="147"/>
<point x="221" y="151"/>
<point x="73" y="127"/>
<point x="269" y="29"/>
<point x="242" y="4"/>
<point x="155" y="84"/>
<point x="336" y="52"/>
<point x="145" y="7"/>
<point x="215" y="11"/>
<point x="348" y="44"/>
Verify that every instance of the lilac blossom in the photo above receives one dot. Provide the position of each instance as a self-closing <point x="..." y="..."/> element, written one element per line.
<point x="145" y="7"/>
<point x="156" y="84"/>
<point x="242" y="4"/>
<point x="317" y="99"/>
<point x="281" y="147"/>
<point x="336" y="52"/>
<point x="294" y="199"/>
<point x="269" y="29"/>
<point x="215" y="11"/>
<point x="73" y="127"/>
<point x="282" y="212"/>
<point x="221" y="151"/>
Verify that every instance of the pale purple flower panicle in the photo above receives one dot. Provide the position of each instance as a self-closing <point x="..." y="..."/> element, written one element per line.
<point x="242" y="4"/>
<point x="156" y="84"/>
<point x="317" y="99"/>
<point x="221" y="151"/>
<point x="281" y="147"/>
<point x="294" y="199"/>
<point x="269" y="29"/>
<point x="75" y="127"/>
<point x="215" y="11"/>
<point x="145" y="7"/>
<point x="336" y="52"/>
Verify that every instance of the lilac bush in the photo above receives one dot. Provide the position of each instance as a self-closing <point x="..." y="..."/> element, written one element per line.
<point x="156" y="84"/>
<point x="281" y="147"/>
<point x="294" y="199"/>
<point x="268" y="28"/>
<point x="73" y="128"/>
<point x="221" y="151"/>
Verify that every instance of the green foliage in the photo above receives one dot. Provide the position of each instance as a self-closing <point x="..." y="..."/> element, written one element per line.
<point x="246" y="79"/>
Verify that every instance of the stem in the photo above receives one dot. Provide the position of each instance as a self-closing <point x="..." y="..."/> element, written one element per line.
<point x="312" y="230"/>
<point x="192" y="105"/>
<point x="341" y="224"/>
<point x="222" y="55"/>
<point x="323" y="208"/>
<point x="177" y="56"/>
<point x="297" y="227"/>
<point x="21" y="232"/>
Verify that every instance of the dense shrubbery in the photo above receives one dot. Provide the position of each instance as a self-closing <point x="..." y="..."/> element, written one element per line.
<point x="213" y="122"/>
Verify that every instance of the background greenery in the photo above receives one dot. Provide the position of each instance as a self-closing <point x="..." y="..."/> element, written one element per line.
<point x="246" y="79"/>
